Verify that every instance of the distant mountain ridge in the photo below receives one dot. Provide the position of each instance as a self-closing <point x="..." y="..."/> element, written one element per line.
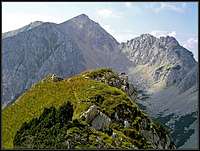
<point x="167" y="61"/>
<point x="25" y="28"/>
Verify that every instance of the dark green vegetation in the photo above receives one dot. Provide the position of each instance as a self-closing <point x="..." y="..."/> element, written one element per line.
<point x="142" y="107"/>
<point x="161" y="128"/>
<point x="165" y="119"/>
<point x="50" y="130"/>
<point x="40" y="118"/>
<point x="54" y="129"/>
<point x="181" y="133"/>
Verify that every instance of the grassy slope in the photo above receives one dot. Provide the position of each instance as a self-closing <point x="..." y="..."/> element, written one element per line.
<point x="47" y="93"/>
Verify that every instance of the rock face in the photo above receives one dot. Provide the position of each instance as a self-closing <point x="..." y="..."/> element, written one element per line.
<point x="116" y="80"/>
<point x="191" y="78"/>
<point x="155" y="135"/>
<point x="32" y="52"/>
<point x="166" y="60"/>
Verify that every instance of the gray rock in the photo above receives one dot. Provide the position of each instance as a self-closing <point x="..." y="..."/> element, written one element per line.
<point x="55" y="78"/>
<point x="99" y="120"/>
<point x="91" y="113"/>
<point x="190" y="79"/>
<point x="116" y="116"/>
<point x="153" y="137"/>
<point x="114" y="135"/>
<point x="126" y="124"/>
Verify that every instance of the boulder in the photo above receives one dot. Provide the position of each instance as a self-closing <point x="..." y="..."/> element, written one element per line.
<point x="101" y="121"/>
<point x="114" y="135"/>
<point x="98" y="120"/>
<point x="91" y="113"/>
<point x="55" y="78"/>
<point x="126" y="124"/>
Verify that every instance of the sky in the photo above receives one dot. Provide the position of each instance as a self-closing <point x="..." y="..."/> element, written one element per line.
<point x="123" y="20"/>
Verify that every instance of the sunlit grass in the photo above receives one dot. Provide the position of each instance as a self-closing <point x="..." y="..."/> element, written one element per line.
<point x="46" y="93"/>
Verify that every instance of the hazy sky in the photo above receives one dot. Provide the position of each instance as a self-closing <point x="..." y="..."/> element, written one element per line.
<point x="123" y="20"/>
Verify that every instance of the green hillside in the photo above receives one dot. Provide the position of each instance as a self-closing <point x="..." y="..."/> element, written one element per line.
<point x="82" y="92"/>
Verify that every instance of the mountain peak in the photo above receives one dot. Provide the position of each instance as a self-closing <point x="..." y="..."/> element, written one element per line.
<point x="80" y="20"/>
<point x="146" y="35"/>
<point x="166" y="39"/>
<point x="82" y="16"/>
<point x="169" y="39"/>
<point x="150" y="39"/>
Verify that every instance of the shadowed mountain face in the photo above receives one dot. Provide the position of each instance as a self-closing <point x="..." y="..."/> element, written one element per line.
<point x="99" y="48"/>
<point x="30" y="55"/>
<point x="65" y="49"/>
<point x="165" y="71"/>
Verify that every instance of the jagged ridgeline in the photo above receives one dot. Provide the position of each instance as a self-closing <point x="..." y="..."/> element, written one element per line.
<point x="90" y="110"/>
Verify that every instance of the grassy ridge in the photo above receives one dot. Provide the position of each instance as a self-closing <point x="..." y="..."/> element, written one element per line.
<point x="47" y="93"/>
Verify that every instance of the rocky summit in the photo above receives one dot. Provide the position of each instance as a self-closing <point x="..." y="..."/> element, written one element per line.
<point x="159" y="61"/>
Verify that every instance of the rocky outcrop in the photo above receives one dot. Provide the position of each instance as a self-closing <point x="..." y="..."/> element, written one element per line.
<point x="158" y="143"/>
<point x="101" y="121"/>
<point x="155" y="134"/>
<point x="98" y="120"/>
<point x="55" y="78"/>
<point x="113" y="79"/>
